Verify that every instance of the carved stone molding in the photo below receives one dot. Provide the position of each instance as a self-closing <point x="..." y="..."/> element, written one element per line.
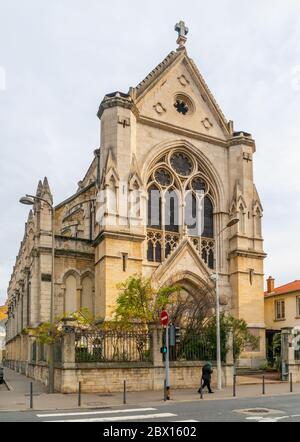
<point x="207" y="123"/>
<point x="159" y="108"/>
<point x="183" y="80"/>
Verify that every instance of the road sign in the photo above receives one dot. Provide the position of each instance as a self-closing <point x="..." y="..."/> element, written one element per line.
<point x="164" y="318"/>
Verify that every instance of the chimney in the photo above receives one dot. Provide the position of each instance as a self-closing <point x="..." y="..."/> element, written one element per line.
<point x="271" y="284"/>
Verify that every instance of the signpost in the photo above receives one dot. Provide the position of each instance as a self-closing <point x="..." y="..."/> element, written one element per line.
<point x="164" y="320"/>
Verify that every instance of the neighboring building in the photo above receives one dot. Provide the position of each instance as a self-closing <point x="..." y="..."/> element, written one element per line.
<point x="167" y="134"/>
<point x="3" y="318"/>
<point x="282" y="305"/>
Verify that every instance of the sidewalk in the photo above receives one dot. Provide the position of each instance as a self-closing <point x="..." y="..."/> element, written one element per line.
<point x="17" y="399"/>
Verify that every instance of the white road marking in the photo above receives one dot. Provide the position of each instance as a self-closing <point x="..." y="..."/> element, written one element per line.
<point x="267" y="419"/>
<point x="121" y="418"/>
<point x="92" y="413"/>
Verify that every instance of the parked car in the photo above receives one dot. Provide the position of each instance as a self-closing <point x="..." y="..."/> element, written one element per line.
<point x="1" y="375"/>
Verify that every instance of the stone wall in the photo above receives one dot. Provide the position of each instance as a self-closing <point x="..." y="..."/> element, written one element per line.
<point x="109" y="378"/>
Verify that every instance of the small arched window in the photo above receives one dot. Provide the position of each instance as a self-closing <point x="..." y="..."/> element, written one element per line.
<point x="71" y="295"/>
<point x="111" y="195"/>
<point x="258" y="229"/>
<point x="87" y="301"/>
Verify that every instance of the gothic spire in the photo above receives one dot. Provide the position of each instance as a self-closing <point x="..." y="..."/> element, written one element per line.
<point x="39" y="189"/>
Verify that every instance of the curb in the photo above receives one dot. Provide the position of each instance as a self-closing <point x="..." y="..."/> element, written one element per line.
<point x="154" y="403"/>
<point x="9" y="387"/>
<point x="34" y="410"/>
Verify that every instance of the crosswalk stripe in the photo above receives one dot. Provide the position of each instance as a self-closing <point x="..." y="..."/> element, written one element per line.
<point x="120" y="418"/>
<point x="92" y="413"/>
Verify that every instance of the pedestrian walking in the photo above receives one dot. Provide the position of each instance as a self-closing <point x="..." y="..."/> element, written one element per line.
<point x="207" y="371"/>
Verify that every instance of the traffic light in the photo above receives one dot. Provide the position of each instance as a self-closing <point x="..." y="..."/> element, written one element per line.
<point x="177" y="335"/>
<point x="164" y="350"/>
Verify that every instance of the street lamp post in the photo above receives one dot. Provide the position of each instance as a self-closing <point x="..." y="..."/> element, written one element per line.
<point x="231" y="223"/>
<point x="29" y="200"/>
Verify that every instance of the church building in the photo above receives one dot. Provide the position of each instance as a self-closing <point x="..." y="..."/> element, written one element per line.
<point x="170" y="174"/>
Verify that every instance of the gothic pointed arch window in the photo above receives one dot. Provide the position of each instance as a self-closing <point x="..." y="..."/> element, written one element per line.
<point x="135" y="200"/>
<point x="179" y="199"/>
<point x="257" y="222"/>
<point x="87" y="295"/>
<point x="70" y="294"/>
<point x="111" y="195"/>
<point x="171" y="211"/>
<point x="154" y="207"/>
<point x="208" y="231"/>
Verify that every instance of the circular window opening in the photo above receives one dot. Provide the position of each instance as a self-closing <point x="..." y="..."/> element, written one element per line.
<point x="183" y="104"/>
<point x="182" y="164"/>
<point x="163" y="177"/>
<point x="198" y="184"/>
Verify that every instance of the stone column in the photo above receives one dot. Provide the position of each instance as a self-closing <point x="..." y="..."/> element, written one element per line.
<point x="156" y="343"/>
<point x="158" y="372"/>
<point x="229" y="368"/>
<point x="68" y="350"/>
<point x="286" y="352"/>
<point x="230" y="355"/>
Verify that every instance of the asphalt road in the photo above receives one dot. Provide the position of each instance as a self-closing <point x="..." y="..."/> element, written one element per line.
<point x="283" y="409"/>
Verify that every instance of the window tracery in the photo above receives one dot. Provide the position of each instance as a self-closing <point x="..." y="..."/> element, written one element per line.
<point x="179" y="195"/>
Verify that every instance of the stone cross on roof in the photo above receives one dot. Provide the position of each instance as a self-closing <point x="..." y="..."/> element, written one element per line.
<point x="182" y="33"/>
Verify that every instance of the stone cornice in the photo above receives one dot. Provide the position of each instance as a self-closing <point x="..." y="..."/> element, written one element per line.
<point x="117" y="100"/>
<point x="242" y="140"/>
<point x="70" y="238"/>
<point x="66" y="252"/>
<point x="75" y="253"/>
<point x="247" y="254"/>
<point x="238" y="141"/>
<point x="120" y="236"/>
<point x="181" y="131"/>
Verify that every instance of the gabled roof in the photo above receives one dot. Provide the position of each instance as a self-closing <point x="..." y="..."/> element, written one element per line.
<point x="285" y="289"/>
<point x="155" y="75"/>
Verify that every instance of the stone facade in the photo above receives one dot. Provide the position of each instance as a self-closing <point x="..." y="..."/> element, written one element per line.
<point x="169" y="123"/>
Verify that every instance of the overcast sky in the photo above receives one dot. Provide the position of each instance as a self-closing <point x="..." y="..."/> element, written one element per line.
<point x="61" y="57"/>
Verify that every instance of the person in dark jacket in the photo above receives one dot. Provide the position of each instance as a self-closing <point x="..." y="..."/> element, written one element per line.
<point x="207" y="371"/>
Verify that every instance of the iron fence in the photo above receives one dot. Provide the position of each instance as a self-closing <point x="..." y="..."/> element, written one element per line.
<point x="42" y="353"/>
<point x="33" y="352"/>
<point x="193" y="346"/>
<point x="113" y="346"/>
<point x="57" y="351"/>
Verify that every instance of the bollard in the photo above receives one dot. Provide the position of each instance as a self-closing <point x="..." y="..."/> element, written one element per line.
<point x="264" y="386"/>
<point x="31" y="395"/>
<point x="124" y="393"/>
<point x="291" y="382"/>
<point x="165" y="390"/>
<point x="79" y="394"/>
<point x="234" y="385"/>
